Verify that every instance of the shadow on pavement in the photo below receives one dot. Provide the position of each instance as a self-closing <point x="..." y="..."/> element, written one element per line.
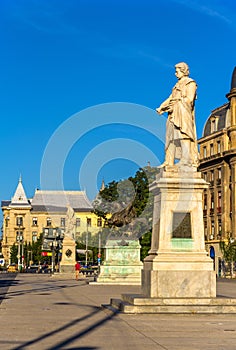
<point x="95" y="315"/>
<point x="6" y="280"/>
<point x="40" y="290"/>
<point x="71" y="339"/>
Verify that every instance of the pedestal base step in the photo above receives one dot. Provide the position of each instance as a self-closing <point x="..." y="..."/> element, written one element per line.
<point x="139" y="304"/>
<point x="115" y="283"/>
<point x="67" y="275"/>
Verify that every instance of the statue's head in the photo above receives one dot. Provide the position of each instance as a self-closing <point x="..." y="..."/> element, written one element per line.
<point x="183" y="67"/>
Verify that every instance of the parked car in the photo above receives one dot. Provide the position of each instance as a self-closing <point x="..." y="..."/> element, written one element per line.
<point x="33" y="268"/>
<point x="12" y="268"/>
<point x="45" y="268"/>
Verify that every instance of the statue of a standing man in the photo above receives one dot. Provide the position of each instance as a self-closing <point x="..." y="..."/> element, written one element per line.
<point x="70" y="218"/>
<point x="181" y="139"/>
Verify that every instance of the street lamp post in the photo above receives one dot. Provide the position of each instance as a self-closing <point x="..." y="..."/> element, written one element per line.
<point x="86" y="246"/>
<point x="29" y="257"/>
<point x="18" y="255"/>
<point x="52" y="240"/>
<point x="99" y="250"/>
<point x="53" y="245"/>
<point x="20" y="249"/>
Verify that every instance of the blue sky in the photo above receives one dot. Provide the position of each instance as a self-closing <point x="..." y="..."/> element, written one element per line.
<point x="61" y="58"/>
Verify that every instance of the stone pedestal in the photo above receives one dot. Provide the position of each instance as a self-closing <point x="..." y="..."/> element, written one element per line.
<point x="177" y="265"/>
<point x="68" y="259"/>
<point x="177" y="276"/>
<point x="122" y="263"/>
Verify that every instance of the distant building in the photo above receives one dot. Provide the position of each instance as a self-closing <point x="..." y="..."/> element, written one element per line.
<point x="218" y="167"/>
<point x="25" y="219"/>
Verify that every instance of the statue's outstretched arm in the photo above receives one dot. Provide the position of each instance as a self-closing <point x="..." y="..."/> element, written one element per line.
<point x="164" y="107"/>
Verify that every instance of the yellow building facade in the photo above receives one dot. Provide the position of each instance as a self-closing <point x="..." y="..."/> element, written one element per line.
<point x="218" y="168"/>
<point x="25" y="219"/>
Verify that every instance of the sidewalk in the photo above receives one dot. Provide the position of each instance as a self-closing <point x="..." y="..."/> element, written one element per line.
<point x="44" y="313"/>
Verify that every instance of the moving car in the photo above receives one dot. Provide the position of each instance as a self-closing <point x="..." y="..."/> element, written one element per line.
<point x="12" y="268"/>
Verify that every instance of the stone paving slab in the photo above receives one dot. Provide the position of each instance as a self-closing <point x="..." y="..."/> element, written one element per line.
<point x="40" y="312"/>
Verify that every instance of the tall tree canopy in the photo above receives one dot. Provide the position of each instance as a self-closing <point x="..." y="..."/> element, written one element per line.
<point x="127" y="205"/>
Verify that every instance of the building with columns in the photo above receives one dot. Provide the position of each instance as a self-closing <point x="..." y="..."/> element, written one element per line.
<point x="218" y="167"/>
<point x="25" y="219"/>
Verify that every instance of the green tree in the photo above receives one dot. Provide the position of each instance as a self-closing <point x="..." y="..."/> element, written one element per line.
<point x="228" y="249"/>
<point x="125" y="201"/>
<point x="36" y="249"/>
<point x="145" y="242"/>
<point x="14" y="253"/>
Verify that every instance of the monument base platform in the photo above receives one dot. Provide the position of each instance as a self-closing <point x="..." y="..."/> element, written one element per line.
<point x="138" y="304"/>
<point x="118" y="280"/>
<point x="122" y="265"/>
<point x="67" y="269"/>
<point x="67" y="275"/>
<point x="178" y="275"/>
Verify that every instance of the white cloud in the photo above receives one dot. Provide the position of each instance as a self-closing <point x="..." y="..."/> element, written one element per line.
<point x="209" y="8"/>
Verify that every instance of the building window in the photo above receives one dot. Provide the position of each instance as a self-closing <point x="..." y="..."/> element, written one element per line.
<point x="77" y="222"/>
<point x="212" y="200"/>
<point x="63" y="222"/>
<point x="89" y="222"/>
<point x="34" y="236"/>
<point x="35" y="221"/>
<point x="212" y="204"/>
<point x="46" y="232"/>
<point x="213" y="125"/>
<point x="219" y="229"/>
<point x="99" y="222"/>
<point x="19" y="221"/>
<point x="211" y="178"/>
<point x="49" y="222"/>
<point x="212" y="175"/>
<point x="204" y="152"/>
<point x="218" y="147"/>
<point x="212" y="236"/>
<point x="19" y="236"/>
<point x="6" y="221"/>
<point x="218" y="176"/>
<point x="219" y="202"/>
<point x="211" y="149"/>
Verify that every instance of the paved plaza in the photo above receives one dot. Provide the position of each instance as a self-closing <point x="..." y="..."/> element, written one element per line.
<point x="41" y="312"/>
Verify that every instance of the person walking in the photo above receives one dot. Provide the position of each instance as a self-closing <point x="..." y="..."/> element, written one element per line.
<point x="77" y="270"/>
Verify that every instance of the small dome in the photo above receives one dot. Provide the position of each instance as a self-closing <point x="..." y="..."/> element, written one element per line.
<point x="233" y="81"/>
<point x="220" y="117"/>
<point x="217" y="120"/>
